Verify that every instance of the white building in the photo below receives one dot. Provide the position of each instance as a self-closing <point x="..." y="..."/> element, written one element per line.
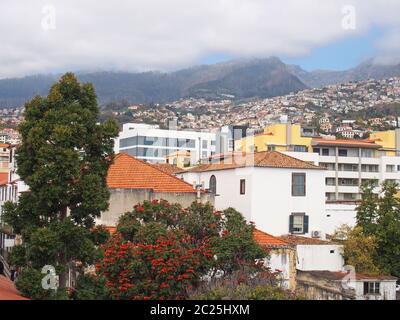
<point x="279" y="193"/>
<point x="316" y="254"/>
<point x="150" y="143"/>
<point x="349" y="164"/>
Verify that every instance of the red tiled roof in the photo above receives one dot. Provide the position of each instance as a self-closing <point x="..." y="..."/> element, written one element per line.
<point x="111" y="230"/>
<point x="167" y="168"/>
<point x="346" y="143"/>
<point x="3" y="178"/>
<point x="127" y="172"/>
<point x="267" y="159"/>
<point x="265" y="239"/>
<point x="8" y="290"/>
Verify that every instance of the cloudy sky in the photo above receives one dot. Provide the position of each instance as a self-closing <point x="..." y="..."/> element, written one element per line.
<point x="50" y="36"/>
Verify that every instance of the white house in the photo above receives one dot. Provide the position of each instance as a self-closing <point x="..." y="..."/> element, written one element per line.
<point x="279" y="193"/>
<point x="316" y="254"/>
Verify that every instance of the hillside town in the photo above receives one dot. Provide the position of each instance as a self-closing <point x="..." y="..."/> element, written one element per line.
<point x="297" y="183"/>
<point x="337" y="109"/>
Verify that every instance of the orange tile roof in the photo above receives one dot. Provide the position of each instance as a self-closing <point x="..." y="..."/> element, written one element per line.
<point x="267" y="159"/>
<point x="8" y="290"/>
<point x="167" y="168"/>
<point x="265" y="239"/>
<point x="111" y="230"/>
<point x="127" y="172"/>
<point x="346" y="142"/>
<point x="3" y="178"/>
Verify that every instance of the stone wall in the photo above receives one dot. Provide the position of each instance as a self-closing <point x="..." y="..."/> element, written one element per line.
<point x="123" y="200"/>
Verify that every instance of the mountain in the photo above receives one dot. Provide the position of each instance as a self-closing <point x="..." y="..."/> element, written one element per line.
<point x="366" y="70"/>
<point x="240" y="79"/>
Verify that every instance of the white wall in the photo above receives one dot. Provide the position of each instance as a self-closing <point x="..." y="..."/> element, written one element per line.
<point x="338" y="214"/>
<point x="387" y="291"/>
<point x="268" y="200"/>
<point x="280" y="262"/>
<point x="319" y="258"/>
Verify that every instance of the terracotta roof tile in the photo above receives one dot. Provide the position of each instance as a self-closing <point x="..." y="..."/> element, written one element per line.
<point x="127" y="172"/>
<point x="346" y="142"/>
<point x="265" y="239"/>
<point x="268" y="159"/>
<point x="3" y="178"/>
<point x="167" y="168"/>
<point x="8" y="290"/>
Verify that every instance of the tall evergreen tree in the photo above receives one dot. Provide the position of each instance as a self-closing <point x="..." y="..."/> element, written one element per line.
<point x="63" y="158"/>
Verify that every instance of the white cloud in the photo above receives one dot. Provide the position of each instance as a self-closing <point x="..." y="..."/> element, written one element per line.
<point x="168" y="34"/>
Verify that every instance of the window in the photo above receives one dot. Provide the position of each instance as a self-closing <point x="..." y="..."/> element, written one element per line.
<point x="342" y="153"/>
<point x="298" y="223"/>
<point x="325" y="152"/>
<point x="300" y="148"/>
<point x="271" y="147"/>
<point x="367" y="153"/>
<point x="298" y="184"/>
<point x="205" y="144"/>
<point x="330" y="181"/>
<point x="316" y="150"/>
<point x="242" y="186"/>
<point x="371" y="288"/>
<point x="213" y="184"/>
<point x="390" y="168"/>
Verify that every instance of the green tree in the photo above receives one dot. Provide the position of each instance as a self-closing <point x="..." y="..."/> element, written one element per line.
<point x="63" y="157"/>
<point x="367" y="210"/>
<point x="379" y="216"/>
<point x="359" y="250"/>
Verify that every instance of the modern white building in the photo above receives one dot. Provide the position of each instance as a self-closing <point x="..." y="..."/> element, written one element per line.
<point x="152" y="144"/>
<point x="280" y="194"/>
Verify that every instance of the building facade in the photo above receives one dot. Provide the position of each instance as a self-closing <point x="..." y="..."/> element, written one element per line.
<point x="152" y="144"/>
<point x="280" y="194"/>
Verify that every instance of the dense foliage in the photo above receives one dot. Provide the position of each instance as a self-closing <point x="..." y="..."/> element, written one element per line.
<point x="379" y="217"/>
<point x="162" y="251"/>
<point x="63" y="157"/>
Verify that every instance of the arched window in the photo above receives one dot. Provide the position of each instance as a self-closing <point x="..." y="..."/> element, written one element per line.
<point x="213" y="184"/>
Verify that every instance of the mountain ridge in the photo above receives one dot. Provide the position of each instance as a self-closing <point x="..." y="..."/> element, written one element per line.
<point x="238" y="79"/>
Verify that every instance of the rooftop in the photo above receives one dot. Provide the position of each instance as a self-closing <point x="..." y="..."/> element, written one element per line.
<point x="8" y="290"/>
<point x="3" y="178"/>
<point x="167" y="168"/>
<point x="266" y="159"/>
<point x="339" y="275"/>
<point x="346" y="143"/>
<point x="292" y="239"/>
<point x="127" y="172"/>
<point x="265" y="239"/>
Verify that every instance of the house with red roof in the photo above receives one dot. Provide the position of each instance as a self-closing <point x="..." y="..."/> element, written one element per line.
<point x="8" y="290"/>
<point x="282" y="258"/>
<point x="132" y="181"/>
<point x="280" y="193"/>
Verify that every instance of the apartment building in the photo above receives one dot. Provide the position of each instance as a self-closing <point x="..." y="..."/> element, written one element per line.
<point x="152" y="144"/>
<point x="348" y="163"/>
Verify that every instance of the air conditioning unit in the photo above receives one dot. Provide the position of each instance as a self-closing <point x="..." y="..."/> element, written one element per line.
<point x="316" y="234"/>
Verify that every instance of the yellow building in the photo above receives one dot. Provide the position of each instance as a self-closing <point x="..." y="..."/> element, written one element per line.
<point x="389" y="140"/>
<point x="278" y="137"/>
<point x="180" y="159"/>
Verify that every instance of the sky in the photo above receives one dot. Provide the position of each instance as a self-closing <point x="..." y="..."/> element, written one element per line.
<point x="52" y="36"/>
